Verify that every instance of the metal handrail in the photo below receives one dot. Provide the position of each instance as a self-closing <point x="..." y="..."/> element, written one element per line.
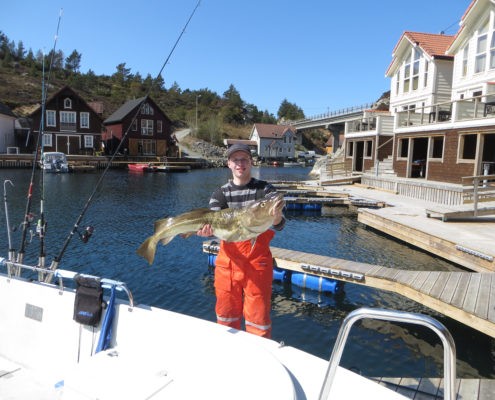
<point x="394" y="316"/>
<point x="65" y="274"/>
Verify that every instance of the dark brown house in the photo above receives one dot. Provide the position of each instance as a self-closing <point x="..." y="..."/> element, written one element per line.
<point x="148" y="129"/>
<point x="71" y="126"/>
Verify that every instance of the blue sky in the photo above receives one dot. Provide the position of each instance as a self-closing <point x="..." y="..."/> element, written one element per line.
<point x="320" y="54"/>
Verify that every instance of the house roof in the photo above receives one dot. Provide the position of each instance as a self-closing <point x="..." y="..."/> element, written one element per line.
<point x="230" y="142"/>
<point x="432" y="44"/>
<point x="123" y="111"/>
<point x="5" y="110"/>
<point x="473" y="12"/>
<point x="63" y="89"/>
<point x="272" y="131"/>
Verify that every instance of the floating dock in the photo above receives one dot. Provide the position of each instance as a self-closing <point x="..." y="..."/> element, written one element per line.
<point x="467" y="297"/>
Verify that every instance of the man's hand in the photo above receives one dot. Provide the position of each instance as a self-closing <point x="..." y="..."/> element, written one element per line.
<point x="205" y="231"/>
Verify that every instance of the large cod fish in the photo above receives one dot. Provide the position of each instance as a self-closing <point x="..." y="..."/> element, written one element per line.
<point x="229" y="224"/>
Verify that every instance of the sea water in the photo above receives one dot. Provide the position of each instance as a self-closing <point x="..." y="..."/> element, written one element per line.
<point x="122" y="213"/>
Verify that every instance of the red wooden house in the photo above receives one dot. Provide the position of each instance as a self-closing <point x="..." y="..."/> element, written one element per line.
<point x="148" y="129"/>
<point x="71" y="126"/>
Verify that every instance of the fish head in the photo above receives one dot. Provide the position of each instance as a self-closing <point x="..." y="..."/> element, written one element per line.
<point x="258" y="216"/>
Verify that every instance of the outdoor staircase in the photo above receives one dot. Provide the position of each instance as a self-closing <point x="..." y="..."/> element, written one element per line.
<point x="385" y="168"/>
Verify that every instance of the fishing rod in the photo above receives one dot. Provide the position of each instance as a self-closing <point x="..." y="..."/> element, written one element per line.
<point x="27" y="215"/>
<point x="11" y="249"/>
<point x="89" y="230"/>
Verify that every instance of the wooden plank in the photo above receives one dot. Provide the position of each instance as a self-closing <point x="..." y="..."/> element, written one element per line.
<point x="449" y="289"/>
<point x="428" y="284"/>
<point x="468" y="389"/>
<point x="427" y="389"/>
<point x="421" y="278"/>
<point x="408" y="386"/>
<point x="487" y="389"/>
<point x="472" y="293"/>
<point x="481" y="309"/>
<point x="440" y="284"/>
<point x="460" y="292"/>
<point x="491" y="304"/>
<point x="406" y="277"/>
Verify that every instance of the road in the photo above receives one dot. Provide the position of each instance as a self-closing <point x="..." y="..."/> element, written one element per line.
<point x="186" y="151"/>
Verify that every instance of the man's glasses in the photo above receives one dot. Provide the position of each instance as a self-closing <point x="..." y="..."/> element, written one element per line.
<point x="240" y="160"/>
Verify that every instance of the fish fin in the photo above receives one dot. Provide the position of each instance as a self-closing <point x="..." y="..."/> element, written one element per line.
<point x="166" y="239"/>
<point x="187" y="235"/>
<point x="147" y="249"/>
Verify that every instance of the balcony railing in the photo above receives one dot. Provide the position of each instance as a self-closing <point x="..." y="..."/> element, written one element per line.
<point x="361" y="125"/>
<point x="68" y="126"/>
<point x="477" y="107"/>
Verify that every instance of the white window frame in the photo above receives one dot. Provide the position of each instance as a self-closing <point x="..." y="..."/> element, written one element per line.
<point x="147" y="127"/>
<point x="415" y="70"/>
<point x="68" y="117"/>
<point x="460" y="147"/>
<point x="67" y="103"/>
<point x="365" y="150"/>
<point x="399" y="148"/>
<point x="84" y="119"/>
<point x="47" y="139"/>
<point x="425" y="75"/>
<point x="88" y="141"/>
<point x="51" y="115"/>
<point x="430" y="147"/>
<point x="407" y="75"/>
<point x="465" y="55"/>
<point x="481" y="49"/>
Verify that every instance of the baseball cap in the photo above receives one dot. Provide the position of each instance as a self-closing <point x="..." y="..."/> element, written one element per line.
<point x="238" y="147"/>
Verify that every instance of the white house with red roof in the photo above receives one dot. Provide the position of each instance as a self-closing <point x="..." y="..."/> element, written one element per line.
<point x="274" y="141"/>
<point x="421" y="72"/>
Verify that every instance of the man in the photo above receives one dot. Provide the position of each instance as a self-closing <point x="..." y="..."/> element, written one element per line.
<point x="244" y="270"/>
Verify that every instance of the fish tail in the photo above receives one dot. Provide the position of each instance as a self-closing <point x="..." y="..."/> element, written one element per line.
<point x="147" y="249"/>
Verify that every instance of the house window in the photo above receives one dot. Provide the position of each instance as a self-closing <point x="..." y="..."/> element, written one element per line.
<point x="159" y="126"/>
<point x="51" y="118"/>
<point x="47" y="139"/>
<point x="467" y="147"/>
<point x="480" y="62"/>
<point x="148" y="146"/>
<point x="369" y="146"/>
<point x="146" y="109"/>
<point x="407" y="74"/>
<point x="415" y="72"/>
<point x="436" y="147"/>
<point x="403" y="148"/>
<point x="477" y="94"/>
<point x="425" y="77"/>
<point x="84" y="120"/>
<point x="492" y="51"/>
<point x="88" y="141"/>
<point x="397" y="82"/>
<point x="67" y="103"/>
<point x="134" y="125"/>
<point x="67" y="121"/>
<point x="147" y="127"/>
<point x="350" y="149"/>
<point x="465" y="60"/>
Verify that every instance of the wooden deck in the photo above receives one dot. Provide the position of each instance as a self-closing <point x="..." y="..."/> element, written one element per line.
<point x="460" y="211"/>
<point x="432" y="388"/>
<point x="467" y="297"/>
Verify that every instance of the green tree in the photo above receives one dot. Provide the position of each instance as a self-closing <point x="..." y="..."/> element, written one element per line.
<point x="73" y="62"/>
<point x="233" y="111"/>
<point x="268" y="118"/>
<point x="20" y="51"/>
<point x="290" y="111"/>
<point x="122" y="75"/>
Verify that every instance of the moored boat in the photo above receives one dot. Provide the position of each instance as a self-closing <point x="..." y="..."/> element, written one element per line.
<point x="141" y="167"/>
<point x="54" y="162"/>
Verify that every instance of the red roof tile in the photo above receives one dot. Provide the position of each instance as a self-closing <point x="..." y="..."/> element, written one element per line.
<point x="272" y="131"/>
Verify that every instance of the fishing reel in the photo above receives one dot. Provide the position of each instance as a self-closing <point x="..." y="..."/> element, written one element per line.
<point x="86" y="234"/>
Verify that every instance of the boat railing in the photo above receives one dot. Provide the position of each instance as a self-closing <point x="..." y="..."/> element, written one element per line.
<point x="62" y="274"/>
<point x="394" y="316"/>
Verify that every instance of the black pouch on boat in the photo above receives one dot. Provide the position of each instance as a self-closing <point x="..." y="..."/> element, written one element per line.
<point x="89" y="300"/>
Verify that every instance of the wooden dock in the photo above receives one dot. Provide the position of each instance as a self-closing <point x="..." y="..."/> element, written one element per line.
<point x="467" y="297"/>
<point x="432" y="388"/>
<point x="469" y="245"/>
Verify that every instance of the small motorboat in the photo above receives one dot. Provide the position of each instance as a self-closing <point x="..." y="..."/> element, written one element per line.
<point x="54" y="161"/>
<point x="141" y="167"/>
